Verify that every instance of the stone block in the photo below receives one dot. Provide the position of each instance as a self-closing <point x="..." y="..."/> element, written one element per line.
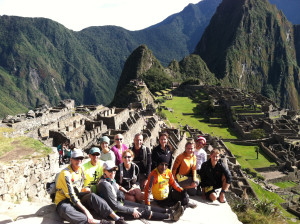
<point x="9" y="175"/>
<point x="3" y="188"/>
<point x="19" y="186"/>
<point x="33" y="180"/>
<point x="32" y="192"/>
<point x="6" y="197"/>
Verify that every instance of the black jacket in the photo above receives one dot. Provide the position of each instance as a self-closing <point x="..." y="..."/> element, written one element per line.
<point x="158" y="152"/>
<point x="142" y="158"/>
<point x="213" y="176"/>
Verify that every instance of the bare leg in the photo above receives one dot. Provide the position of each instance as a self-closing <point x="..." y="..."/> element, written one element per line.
<point x="225" y="187"/>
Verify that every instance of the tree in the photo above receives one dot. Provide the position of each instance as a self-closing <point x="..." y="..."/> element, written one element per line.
<point x="257" y="133"/>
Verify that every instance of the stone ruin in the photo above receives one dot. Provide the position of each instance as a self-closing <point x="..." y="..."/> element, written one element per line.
<point x="81" y="126"/>
<point x="239" y="185"/>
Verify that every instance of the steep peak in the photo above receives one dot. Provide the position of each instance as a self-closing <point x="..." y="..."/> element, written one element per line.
<point x="249" y="44"/>
<point x="139" y="62"/>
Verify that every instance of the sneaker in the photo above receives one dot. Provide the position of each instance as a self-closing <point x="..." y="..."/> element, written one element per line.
<point x="120" y="221"/>
<point x="192" y="204"/>
<point x="175" y="215"/>
<point x="175" y="207"/>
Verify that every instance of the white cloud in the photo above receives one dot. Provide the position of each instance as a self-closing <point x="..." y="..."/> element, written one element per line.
<point x="79" y="14"/>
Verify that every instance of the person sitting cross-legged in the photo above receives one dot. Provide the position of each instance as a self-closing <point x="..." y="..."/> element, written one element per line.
<point x="74" y="205"/>
<point x="214" y="174"/>
<point x="127" y="177"/>
<point x="159" y="182"/>
<point x="108" y="189"/>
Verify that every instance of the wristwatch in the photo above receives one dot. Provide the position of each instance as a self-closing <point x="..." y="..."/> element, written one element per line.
<point x="223" y="191"/>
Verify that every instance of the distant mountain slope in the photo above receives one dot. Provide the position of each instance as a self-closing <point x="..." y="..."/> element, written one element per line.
<point x="290" y="8"/>
<point x="249" y="44"/>
<point x="46" y="62"/>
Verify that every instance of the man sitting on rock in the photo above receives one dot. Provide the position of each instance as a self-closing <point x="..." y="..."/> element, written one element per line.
<point x="74" y="205"/>
<point x="214" y="174"/>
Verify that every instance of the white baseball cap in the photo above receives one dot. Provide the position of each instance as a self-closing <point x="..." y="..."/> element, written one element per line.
<point x="76" y="153"/>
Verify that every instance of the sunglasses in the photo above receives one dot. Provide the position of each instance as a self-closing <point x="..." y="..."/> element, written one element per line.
<point x="119" y="139"/>
<point x="127" y="157"/>
<point x="110" y="171"/>
<point x="78" y="158"/>
<point x="164" y="164"/>
<point x="96" y="154"/>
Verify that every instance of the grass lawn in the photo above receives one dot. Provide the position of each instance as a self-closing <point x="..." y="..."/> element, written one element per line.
<point x="9" y="144"/>
<point x="286" y="184"/>
<point x="185" y="105"/>
<point x="246" y="156"/>
<point x="266" y="195"/>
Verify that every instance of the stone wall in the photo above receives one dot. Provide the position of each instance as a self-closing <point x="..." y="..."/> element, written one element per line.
<point x="26" y="180"/>
<point x="45" y="119"/>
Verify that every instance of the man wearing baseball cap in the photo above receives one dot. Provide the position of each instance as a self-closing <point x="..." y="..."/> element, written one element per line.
<point x="93" y="169"/>
<point x="74" y="205"/>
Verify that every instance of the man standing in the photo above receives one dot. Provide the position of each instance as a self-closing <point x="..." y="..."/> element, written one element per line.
<point x="214" y="174"/>
<point x="93" y="169"/>
<point x="74" y="205"/>
<point x="142" y="157"/>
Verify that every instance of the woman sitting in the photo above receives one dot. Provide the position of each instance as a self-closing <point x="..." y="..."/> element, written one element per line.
<point x="127" y="178"/>
<point x="108" y="189"/>
<point x="184" y="169"/>
<point x="119" y="148"/>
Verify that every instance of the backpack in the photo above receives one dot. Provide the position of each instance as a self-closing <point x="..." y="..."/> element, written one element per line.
<point x="134" y="178"/>
<point x="51" y="186"/>
<point x="144" y="148"/>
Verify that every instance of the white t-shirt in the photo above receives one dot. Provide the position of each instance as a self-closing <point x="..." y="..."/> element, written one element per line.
<point x="201" y="157"/>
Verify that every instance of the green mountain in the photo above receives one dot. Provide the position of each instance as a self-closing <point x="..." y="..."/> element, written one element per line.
<point x="45" y="62"/>
<point x="42" y="62"/>
<point x="250" y="45"/>
<point x="141" y="65"/>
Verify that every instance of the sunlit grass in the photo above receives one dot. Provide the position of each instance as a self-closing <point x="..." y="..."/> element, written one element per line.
<point x="8" y="144"/>
<point x="263" y="195"/>
<point x="184" y="105"/>
<point x="246" y="156"/>
<point x="285" y="184"/>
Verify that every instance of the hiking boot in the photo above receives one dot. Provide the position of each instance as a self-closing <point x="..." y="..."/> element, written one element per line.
<point x="192" y="204"/>
<point x="175" y="207"/>
<point x="175" y="215"/>
<point x="120" y="221"/>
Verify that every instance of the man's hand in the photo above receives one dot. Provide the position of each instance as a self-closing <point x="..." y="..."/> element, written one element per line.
<point x="89" y="216"/>
<point x="132" y="191"/>
<point x="136" y="214"/>
<point x="86" y="189"/>
<point x="145" y="183"/>
<point x="193" y="185"/>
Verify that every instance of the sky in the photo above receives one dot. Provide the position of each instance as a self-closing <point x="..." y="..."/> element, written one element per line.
<point x="79" y="14"/>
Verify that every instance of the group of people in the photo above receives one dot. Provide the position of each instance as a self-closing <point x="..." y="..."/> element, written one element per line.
<point x="120" y="182"/>
<point x="64" y="152"/>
